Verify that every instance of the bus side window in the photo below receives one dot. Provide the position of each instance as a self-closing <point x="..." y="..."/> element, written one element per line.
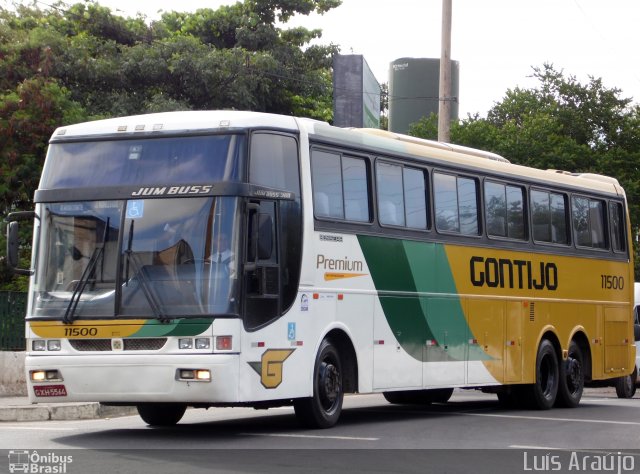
<point x="549" y="217"/>
<point x="456" y="202"/>
<point x="588" y="222"/>
<point x="340" y="186"/>
<point x="274" y="162"/>
<point x="617" y="222"/>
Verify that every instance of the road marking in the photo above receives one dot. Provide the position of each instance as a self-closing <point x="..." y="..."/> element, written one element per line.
<point x="544" y="418"/>
<point x="39" y="428"/>
<point x="285" y="435"/>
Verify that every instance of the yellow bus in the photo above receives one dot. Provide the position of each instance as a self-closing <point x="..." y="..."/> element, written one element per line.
<point x="225" y="258"/>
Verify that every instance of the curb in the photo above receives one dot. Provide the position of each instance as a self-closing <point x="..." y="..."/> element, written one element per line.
<point x="71" y="411"/>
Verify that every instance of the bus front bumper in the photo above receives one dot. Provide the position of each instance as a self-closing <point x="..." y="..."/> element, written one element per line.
<point x="134" y="379"/>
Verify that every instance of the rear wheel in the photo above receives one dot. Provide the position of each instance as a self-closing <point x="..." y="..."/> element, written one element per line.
<point x="542" y="393"/>
<point x="626" y="386"/>
<point x="161" y="414"/>
<point x="323" y="409"/>
<point x="571" y="378"/>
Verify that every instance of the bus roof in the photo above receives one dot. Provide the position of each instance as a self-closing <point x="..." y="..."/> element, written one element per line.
<point x="379" y="140"/>
<point x="465" y="157"/>
<point x="175" y="122"/>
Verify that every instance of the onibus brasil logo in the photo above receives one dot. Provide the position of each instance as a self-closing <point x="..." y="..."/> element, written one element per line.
<point x="22" y="460"/>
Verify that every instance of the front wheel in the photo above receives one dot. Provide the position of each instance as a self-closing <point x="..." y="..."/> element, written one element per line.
<point x="542" y="393"/>
<point x="323" y="409"/>
<point x="571" y="378"/>
<point x="161" y="414"/>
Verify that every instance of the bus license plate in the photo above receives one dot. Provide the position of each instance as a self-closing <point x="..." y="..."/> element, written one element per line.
<point x="50" y="391"/>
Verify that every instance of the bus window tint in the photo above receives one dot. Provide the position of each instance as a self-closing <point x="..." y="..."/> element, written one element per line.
<point x="548" y="213"/>
<point x="354" y="175"/>
<point x="340" y="186"/>
<point x="446" y="201"/>
<point x="495" y="205"/>
<point x="390" y="194"/>
<point x="274" y="162"/>
<point x="515" y="213"/>
<point x="456" y="201"/>
<point x="327" y="184"/>
<point x="504" y="210"/>
<point x="468" y="202"/>
<point x="588" y="222"/>
<point x="618" y="240"/>
<point x="415" y="198"/>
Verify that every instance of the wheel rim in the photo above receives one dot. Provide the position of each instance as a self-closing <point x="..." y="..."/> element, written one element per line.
<point x="574" y="375"/>
<point x="329" y="385"/>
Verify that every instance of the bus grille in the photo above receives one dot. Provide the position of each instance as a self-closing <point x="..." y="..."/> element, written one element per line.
<point x="97" y="345"/>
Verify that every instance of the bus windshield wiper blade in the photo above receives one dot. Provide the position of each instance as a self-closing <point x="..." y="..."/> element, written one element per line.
<point x="147" y="290"/>
<point x="82" y="283"/>
<point x="149" y="294"/>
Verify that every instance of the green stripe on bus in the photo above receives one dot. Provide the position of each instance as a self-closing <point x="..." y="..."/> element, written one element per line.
<point x="413" y="268"/>
<point x="183" y="327"/>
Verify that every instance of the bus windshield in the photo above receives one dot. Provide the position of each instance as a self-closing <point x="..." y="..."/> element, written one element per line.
<point x="143" y="161"/>
<point x="139" y="258"/>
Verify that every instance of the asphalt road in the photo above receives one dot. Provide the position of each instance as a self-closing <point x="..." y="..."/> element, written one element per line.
<point x="471" y="433"/>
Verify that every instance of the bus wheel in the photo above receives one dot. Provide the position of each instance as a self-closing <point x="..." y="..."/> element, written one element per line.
<point x="571" y="378"/>
<point x="439" y="395"/>
<point x="161" y="414"/>
<point x="626" y="386"/>
<point x="542" y="393"/>
<point x="322" y="410"/>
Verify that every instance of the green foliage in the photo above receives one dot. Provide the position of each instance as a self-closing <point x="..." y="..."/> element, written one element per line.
<point x="560" y="124"/>
<point x="66" y="64"/>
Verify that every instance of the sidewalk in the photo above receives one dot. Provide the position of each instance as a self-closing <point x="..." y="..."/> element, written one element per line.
<point x="19" y="409"/>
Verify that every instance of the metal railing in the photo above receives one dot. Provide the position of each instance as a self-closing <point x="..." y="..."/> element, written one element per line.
<point x="13" y="307"/>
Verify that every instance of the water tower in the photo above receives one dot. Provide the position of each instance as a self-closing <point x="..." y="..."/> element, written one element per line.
<point x="413" y="91"/>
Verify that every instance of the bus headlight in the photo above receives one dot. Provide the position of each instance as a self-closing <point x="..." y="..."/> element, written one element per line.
<point x="39" y="345"/>
<point x="203" y="343"/>
<point x="54" y="345"/>
<point x="186" y="343"/>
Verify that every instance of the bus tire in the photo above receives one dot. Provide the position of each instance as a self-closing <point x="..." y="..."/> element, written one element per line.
<point x="571" y="378"/>
<point x="542" y="393"/>
<point x="161" y="414"/>
<point x="626" y="386"/>
<point x="323" y="409"/>
<point x="438" y="395"/>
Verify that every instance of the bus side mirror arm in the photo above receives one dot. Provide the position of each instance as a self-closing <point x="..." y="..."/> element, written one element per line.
<point x="13" y="240"/>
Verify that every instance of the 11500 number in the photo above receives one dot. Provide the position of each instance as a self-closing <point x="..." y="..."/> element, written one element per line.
<point x="612" y="282"/>
<point x="79" y="332"/>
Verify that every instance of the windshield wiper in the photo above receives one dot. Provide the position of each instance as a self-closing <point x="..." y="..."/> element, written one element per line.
<point x="132" y="258"/>
<point x="85" y="277"/>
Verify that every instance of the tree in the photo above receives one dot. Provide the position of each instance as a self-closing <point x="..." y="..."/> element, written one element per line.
<point x="80" y="62"/>
<point x="560" y="124"/>
<point x="28" y="116"/>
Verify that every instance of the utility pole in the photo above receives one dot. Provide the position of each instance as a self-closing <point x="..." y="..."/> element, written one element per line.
<point x="444" y="92"/>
